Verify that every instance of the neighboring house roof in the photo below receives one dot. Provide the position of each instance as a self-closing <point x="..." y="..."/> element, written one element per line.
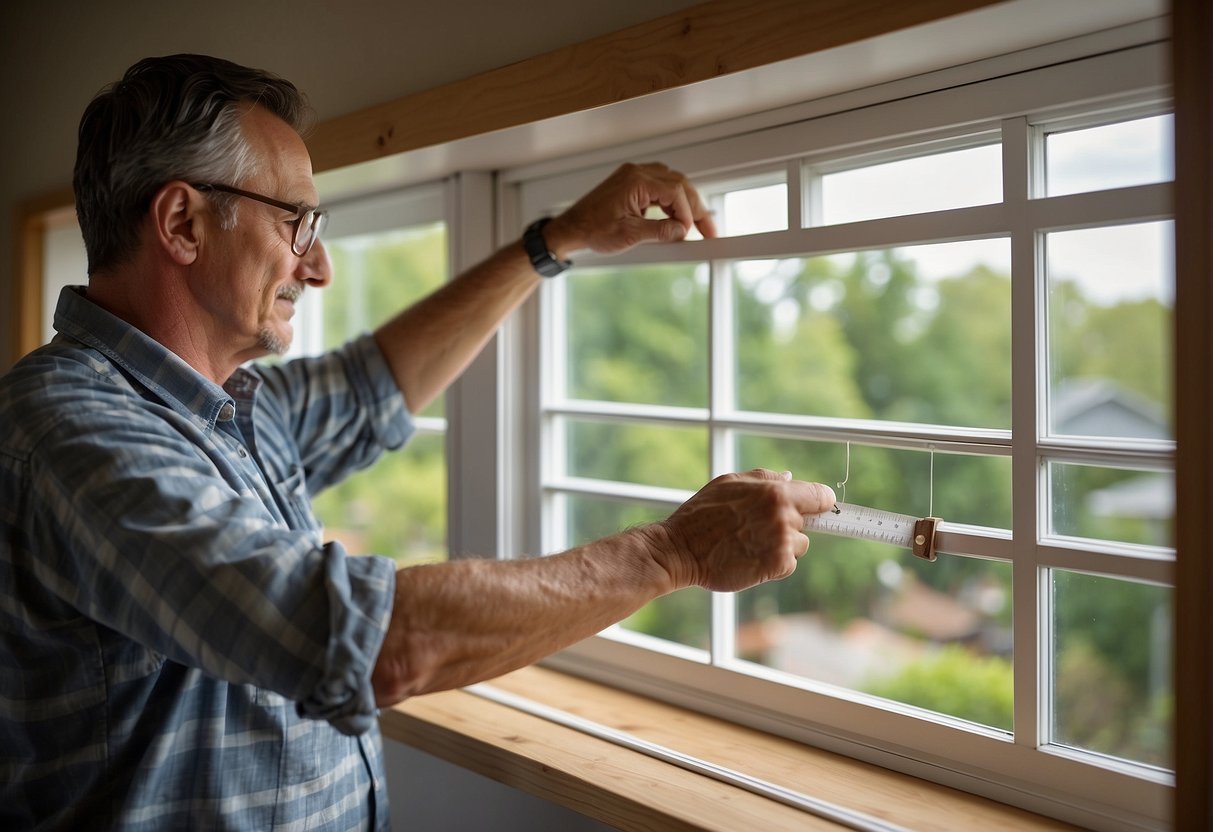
<point x="1101" y="407"/>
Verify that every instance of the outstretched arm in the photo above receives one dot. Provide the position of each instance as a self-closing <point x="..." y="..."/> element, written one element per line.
<point x="457" y="623"/>
<point x="429" y="344"/>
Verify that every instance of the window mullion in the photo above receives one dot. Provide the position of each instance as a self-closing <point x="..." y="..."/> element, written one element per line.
<point x="1025" y="323"/>
<point x="723" y="610"/>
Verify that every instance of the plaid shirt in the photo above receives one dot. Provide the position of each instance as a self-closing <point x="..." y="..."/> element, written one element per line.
<point x="178" y="646"/>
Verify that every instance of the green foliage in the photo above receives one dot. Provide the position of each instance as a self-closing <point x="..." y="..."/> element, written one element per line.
<point x="638" y="336"/>
<point x="956" y="682"/>
<point x="398" y="506"/>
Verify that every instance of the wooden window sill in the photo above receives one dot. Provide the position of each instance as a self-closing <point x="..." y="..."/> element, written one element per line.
<point x="632" y="791"/>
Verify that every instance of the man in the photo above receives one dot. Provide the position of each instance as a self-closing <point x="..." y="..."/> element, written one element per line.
<point x="179" y="646"/>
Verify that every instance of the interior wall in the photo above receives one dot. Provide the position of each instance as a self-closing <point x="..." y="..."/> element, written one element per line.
<point x="56" y="54"/>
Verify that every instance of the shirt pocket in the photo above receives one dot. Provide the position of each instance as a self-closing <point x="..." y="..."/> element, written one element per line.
<point x="295" y="500"/>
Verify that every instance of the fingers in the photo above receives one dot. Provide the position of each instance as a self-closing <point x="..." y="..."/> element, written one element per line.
<point x="807" y="497"/>
<point x="680" y="201"/>
<point x="613" y="216"/>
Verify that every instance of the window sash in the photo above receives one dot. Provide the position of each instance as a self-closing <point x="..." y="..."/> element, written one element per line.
<point x="948" y="751"/>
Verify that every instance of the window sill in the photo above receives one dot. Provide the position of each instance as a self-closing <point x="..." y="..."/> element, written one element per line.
<point x="630" y="790"/>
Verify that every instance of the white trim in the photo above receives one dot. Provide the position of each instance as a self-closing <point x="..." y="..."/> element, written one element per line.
<point x="473" y="402"/>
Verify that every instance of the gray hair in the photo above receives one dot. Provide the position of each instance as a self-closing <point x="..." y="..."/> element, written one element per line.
<point x="174" y="117"/>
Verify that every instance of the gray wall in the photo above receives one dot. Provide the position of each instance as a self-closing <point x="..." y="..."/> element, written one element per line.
<point x="432" y="795"/>
<point x="56" y="54"/>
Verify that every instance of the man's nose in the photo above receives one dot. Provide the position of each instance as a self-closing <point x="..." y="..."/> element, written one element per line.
<point x="316" y="268"/>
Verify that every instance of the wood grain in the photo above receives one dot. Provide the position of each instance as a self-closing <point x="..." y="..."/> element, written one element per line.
<point x="632" y="791"/>
<point x="696" y="44"/>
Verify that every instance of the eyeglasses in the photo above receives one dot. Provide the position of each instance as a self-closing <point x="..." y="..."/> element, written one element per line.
<point x="309" y="222"/>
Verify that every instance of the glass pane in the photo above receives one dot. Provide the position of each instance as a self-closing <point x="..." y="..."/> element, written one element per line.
<point x="873" y="618"/>
<point x="1110" y="308"/>
<point x="974" y="490"/>
<point x="1112" y="504"/>
<point x="377" y="275"/>
<point x="913" y="334"/>
<point x="751" y="210"/>
<point x="395" y="508"/>
<point x="638" y="334"/>
<point x="1110" y="156"/>
<point x="956" y="179"/>
<point x="681" y="617"/>
<point x="1112" y="689"/>
<point x="672" y="457"/>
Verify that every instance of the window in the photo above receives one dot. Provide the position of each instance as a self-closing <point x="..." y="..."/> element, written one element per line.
<point x="962" y="309"/>
<point x="387" y="251"/>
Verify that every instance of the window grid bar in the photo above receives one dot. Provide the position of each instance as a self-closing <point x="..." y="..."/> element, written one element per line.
<point x="722" y="614"/>
<point x="1152" y="564"/>
<point x="1016" y="176"/>
<point x="1139" y="203"/>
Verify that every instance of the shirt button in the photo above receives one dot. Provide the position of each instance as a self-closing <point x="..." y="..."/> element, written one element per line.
<point x="227" y="412"/>
<point x="243" y="453"/>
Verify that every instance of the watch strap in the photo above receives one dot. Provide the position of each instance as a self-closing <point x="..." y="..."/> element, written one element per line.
<point x="542" y="259"/>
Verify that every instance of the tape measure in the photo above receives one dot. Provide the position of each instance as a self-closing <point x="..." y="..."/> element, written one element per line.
<point x="847" y="520"/>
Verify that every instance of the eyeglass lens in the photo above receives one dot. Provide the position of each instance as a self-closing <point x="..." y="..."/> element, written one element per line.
<point x="308" y="230"/>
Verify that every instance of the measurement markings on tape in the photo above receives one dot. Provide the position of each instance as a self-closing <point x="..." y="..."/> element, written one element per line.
<point x="848" y="520"/>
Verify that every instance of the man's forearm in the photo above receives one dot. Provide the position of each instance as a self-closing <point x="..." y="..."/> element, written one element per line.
<point x="429" y="344"/>
<point x="462" y="622"/>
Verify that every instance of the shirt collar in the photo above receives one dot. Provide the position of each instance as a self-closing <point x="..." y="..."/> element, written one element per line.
<point x="157" y="368"/>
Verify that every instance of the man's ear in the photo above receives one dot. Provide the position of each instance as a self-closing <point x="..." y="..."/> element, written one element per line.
<point x="176" y="214"/>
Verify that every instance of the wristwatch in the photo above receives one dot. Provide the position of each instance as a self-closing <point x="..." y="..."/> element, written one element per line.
<point x="542" y="258"/>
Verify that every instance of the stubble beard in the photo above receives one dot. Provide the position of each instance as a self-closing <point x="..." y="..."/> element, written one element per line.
<point x="272" y="342"/>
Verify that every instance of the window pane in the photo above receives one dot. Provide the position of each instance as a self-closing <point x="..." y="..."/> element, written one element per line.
<point x="956" y="179"/>
<point x="1112" y="690"/>
<point x="377" y="275"/>
<point x="1112" y="504"/>
<point x="680" y="617"/>
<point x="974" y="490"/>
<point x="638" y="334"/>
<point x="672" y="457"/>
<point x="395" y="508"/>
<point x="1110" y="156"/>
<point x="873" y="618"/>
<point x="913" y="334"/>
<point x="1110" y="304"/>
<point x="750" y="210"/>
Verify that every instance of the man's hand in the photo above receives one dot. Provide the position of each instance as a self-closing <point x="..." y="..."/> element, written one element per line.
<point x="739" y="530"/>
<point x="611" y="218"/>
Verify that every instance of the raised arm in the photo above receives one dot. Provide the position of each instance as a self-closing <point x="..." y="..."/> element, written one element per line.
<point x="462" y="622"/>
<point x="429" y="344"/>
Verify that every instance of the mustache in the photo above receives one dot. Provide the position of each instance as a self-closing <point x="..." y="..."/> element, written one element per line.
<point x="291" y="292"/>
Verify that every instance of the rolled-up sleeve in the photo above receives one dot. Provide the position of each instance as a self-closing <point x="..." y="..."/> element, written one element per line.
<point x="360" y="592"/>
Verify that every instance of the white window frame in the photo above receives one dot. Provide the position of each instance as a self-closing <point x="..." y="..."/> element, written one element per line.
<point x="1071" y="785"/>
<point x="464" y="201"/>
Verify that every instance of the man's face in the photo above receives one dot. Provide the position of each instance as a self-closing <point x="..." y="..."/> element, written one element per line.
<point x="253" y="278"/>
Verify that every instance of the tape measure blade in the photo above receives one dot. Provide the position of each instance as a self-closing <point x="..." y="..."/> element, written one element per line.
<point x="850" y="520"/>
